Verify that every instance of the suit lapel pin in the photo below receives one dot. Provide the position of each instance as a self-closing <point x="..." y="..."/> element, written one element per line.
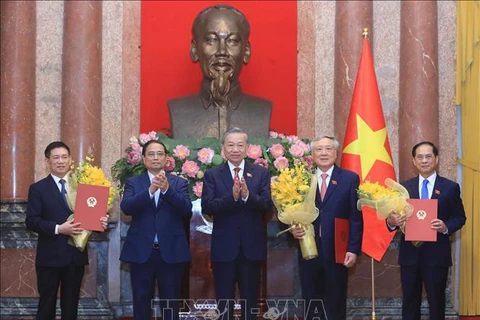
<point x="249" y="174"/>
<point x="334" y="182"/>
<point x="437" y="191"/>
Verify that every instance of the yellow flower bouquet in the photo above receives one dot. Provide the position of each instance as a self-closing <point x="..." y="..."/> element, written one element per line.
<point x="293" y="193"/>
<point x="87" y="173"/>
<point x="384" y="200"/>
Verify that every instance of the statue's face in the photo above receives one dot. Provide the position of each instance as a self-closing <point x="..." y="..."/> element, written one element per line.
<point x="221" y="45"/>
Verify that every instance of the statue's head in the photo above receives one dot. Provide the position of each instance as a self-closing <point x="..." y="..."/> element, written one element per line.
<point x="220" y="43"/>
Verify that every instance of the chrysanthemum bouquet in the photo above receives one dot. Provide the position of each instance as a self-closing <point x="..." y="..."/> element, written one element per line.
<point x="87" y="173"/>
<point x="383" y="199"/>
<point x="293" y="193"/>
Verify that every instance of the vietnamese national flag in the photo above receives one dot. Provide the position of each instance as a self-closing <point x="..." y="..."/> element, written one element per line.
<point x="367" y="150"/>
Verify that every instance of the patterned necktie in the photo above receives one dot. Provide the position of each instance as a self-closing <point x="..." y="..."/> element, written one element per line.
<point x="424" y="190"/>
<point x="323" y="188"/>
<point x="64" y="190"/>
<point x="236" y="178"/>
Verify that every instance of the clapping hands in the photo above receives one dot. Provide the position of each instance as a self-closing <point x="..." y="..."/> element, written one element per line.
<point x="240" y="189"/>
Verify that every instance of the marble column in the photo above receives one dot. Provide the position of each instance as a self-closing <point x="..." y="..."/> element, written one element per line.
<point x="418" y="110"/>
<point x="306" y="70"/>
<point x="81" y="125"/>
<point x="17" y="65"/>
<point x="350" y="19"/>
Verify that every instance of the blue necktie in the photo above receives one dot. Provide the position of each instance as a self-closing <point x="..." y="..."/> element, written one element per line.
<point x="64" y="191"/>
<point x="424" y="189"/>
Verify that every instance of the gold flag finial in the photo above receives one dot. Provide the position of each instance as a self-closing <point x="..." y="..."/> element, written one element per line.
<point x="365" y="32"/>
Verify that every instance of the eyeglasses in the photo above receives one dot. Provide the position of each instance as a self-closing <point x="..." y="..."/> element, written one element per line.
<point x="153" y="154"/>
<point x="421" y="157"/>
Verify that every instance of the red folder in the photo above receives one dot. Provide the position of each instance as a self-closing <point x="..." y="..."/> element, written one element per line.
<point x="90" y="205"/>
<point x="342" y="231"/>
<point x="418" y="226"/>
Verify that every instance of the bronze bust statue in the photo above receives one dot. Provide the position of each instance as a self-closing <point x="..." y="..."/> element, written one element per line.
<point x="220" y="44"/>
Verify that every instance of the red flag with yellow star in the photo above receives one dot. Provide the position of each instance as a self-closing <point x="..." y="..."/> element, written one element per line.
<point x="367" y="150"/>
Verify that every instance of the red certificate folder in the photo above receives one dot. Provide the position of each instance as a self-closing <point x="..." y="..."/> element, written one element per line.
<point x="418" y="226"/>
<point x="90" y="205"/>
<point x="342" y="231"/>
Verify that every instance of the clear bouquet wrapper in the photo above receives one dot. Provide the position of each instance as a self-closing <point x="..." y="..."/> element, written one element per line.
<point x="385" y="199"/>
<point x="301" y="214"/>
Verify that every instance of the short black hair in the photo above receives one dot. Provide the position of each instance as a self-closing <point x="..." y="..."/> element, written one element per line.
<point x="201" y="16"/>
<point x="151" y="142"/>
<point x="434" y="148"/>
<point x="55" y="145"/>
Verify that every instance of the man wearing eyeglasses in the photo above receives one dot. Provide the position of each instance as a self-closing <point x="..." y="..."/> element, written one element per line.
<point x="427" y="264"/>
<point x="156" y="245"/>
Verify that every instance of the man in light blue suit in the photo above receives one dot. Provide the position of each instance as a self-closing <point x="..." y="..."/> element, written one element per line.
<point x="237" y="195"/>
<point x="156" y="245"/>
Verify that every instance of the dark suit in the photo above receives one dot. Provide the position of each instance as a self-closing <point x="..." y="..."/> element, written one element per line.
<point x="321" y="278"/>
<point x="429" y="263"/>
<point x="167" y="263"/>
<point x="57" y="262"/>
<point x="238" y="237"/>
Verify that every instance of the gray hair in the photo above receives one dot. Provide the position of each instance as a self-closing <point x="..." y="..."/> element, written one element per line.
<point x="336" y="143"/>
<point x="233" y="130"/>
<point x="201" y="17"/>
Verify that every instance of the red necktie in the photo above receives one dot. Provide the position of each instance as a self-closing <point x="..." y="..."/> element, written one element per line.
<point x="323" y="188"/>
<point x="236" y="178"/>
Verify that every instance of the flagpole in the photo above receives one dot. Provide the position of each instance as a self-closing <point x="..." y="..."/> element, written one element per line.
<point x="373" y="290"/>
<point x="365" y="35"/>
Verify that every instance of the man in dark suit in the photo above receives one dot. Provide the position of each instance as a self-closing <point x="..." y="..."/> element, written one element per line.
<point x="237" y="194"/>
<point x="156" y="245"/>
<point x="427" y="264"/>
<point x="322" y="279"/>
<point x="58" y="264"/>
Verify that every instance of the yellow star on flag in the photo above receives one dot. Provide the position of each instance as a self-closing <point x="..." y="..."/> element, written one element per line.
<point x="369" y="145"/>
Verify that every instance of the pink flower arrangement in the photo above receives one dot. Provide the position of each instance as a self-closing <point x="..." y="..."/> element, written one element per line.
<point x="292" y="139"/>
<point x="254" y="151"/>
<point x="190" y="168"/>
<point x="181" y="152"/>
<point x="277" y="150"/>
<point x="205" y="155"/>
<point x="152" y="135"/>
<point x="133" y="157"/>
<point x="309" y="161"/>
<point x="198" y="188"/>
<point x="144" y="138"/>
<point x="136" y="147"/>
<point x="261" y="162"/>
<point x="170" y="164"/>
<point x="296" y="150"/>
<point x="190" y="159"/>
<point x="281" y="163"/>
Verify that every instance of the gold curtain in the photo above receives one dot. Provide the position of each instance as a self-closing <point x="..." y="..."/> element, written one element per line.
<point x="468" y="97"/>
